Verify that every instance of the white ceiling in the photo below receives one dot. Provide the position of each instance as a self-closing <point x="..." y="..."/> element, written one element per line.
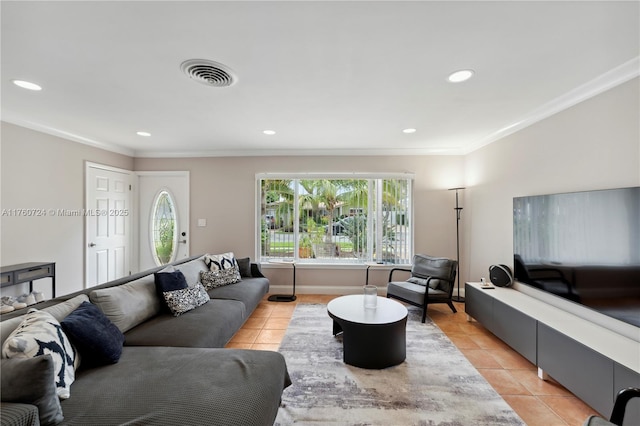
<point x="340" y="78"/>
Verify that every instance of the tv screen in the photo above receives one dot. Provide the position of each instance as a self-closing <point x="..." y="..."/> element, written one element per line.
<point x="582" y="246"/>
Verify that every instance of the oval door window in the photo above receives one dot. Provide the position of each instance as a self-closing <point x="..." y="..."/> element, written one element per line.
<point x="164" y="229"/>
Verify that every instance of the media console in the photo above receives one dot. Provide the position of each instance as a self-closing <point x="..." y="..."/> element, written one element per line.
<point x="591" y="361"/>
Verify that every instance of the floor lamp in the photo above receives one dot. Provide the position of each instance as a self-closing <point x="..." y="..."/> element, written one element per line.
<point x="458" y="210"/>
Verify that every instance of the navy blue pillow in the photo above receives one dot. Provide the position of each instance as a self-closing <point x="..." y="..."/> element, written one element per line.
<point x="169" y="281"/>
<point x="97" y="339"/>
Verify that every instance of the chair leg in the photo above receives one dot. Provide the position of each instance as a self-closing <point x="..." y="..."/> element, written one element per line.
<point x="453" y="308"/>
<point x="424" y="313"/>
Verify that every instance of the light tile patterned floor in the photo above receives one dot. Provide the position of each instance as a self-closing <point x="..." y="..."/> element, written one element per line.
<point x="537" y="402"/>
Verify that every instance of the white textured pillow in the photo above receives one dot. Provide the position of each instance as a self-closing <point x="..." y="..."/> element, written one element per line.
<point x="186" y="299"/>
<point x="223" y="262"/>
<point x="39" y="334"/>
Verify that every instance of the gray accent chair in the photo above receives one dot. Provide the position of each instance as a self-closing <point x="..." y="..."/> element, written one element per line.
<point x="432" y="281"/>
<point x="619" y="407"/>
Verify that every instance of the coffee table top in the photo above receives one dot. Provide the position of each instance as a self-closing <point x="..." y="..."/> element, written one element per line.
<point x="351" y="308"/>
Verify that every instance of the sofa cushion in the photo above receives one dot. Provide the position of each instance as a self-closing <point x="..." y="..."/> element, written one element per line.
<point x="97" y="339"/>
<point x="18" y="414"/>
<point x="186" y="299"/>
<point x="212" y="325"/>
<point x="249" y="291"/>
<point x="191" y="270"/>
<point x="180" y="386"/>
<point x="40" y="333"/>
<point x="129" y="304"/>
<point x="32" y="381"/>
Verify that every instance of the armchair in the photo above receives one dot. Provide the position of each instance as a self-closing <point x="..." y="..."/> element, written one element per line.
<point x="619" y="407"/>
<point x="432" y="281"/>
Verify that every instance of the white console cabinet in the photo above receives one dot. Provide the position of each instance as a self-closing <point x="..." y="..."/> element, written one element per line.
<point x="591" y="361"/>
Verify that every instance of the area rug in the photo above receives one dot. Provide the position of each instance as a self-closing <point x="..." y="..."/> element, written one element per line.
<point x="436" y="385"/>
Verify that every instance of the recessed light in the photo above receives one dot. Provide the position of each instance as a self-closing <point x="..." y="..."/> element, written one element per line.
<point x="27" y="85"/>
<point x="409" y="131"/>
<point x="145" y="134"/>
<point x="269" y="132"/>
<point x="460" y="76"/>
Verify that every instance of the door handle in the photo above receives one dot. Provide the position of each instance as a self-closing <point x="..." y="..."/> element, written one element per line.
<point x="183" y="241"/>
<point x="92" y="244"/>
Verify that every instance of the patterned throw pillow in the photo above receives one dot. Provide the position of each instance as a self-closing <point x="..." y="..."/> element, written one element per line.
<point x="185" y="300"/>
<point x="216" y="262"/>
<point x="39" y="334"/>
<point x="213" y="279"/>
<point x="226" y="267"/>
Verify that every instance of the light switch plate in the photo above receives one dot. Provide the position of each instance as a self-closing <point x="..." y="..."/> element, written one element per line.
<point x="202" y="222"/>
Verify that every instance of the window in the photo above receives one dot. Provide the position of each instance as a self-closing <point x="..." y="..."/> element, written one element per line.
<point x="163" y="229"/>
<point x="335" y="219"/>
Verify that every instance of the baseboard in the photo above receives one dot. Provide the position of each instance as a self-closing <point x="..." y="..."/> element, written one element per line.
<point x="322" y="289"/>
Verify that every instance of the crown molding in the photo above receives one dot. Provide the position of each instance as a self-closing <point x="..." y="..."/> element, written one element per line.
<point x="298" y="153"/>
<point x="107" y="146"/>
<point x="598" y="85"/>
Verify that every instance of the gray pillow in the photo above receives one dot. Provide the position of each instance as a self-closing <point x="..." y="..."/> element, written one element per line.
<point x="244" y="265"/>
<point x="129" y="304"/>
<point x="32" y="381"/>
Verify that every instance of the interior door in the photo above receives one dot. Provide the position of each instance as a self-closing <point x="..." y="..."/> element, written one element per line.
<point x="108" y="223"/>
<point x="162" y="195"/>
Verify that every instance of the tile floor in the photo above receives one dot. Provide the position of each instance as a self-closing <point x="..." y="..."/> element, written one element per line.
<point x="537" y="402"/>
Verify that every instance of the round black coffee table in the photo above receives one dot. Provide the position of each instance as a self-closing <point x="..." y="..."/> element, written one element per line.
<point x="372" y="338"/>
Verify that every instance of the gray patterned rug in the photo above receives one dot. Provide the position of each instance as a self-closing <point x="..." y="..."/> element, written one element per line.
<point x="436" y="385"/>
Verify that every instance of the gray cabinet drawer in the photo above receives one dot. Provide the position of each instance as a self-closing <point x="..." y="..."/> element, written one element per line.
<point x="479" y="306"/>
<point x="516" y="329"/>
<point x="585" y="372"/>
<point x="33" y="274"/>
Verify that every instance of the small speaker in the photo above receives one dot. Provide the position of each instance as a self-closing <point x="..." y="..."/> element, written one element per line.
<point x="500" y="275"/>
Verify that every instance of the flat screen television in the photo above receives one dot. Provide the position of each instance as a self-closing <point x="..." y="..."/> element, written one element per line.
<point x="582" y="246"/>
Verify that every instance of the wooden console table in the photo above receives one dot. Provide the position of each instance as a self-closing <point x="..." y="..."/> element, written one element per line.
<point x="27" y="273"/>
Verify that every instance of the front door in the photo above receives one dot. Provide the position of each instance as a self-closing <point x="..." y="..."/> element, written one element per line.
<point x="108" y="223"/>
<point x="163" y="217"/>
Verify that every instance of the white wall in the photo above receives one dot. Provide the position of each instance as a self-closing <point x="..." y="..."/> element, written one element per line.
<point x="593" y="145"/>
<point x="222" y="192"/>
<point x="40" y="171"/>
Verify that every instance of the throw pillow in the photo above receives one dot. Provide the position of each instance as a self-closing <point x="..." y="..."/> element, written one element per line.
<point x="217" y="262"/>
<point x="223" y="262"/>
<point x="419" y="281"/>
<point x="97" y="339"/>
<point x="244" y="266"/>
<point x="185" y="300"/>
<point x="38" y="334"/>
<point x="213" y="279"/>
<point x="129" y="304"/>
<point x="169" y="281"/>
<point x="32" y="381"/>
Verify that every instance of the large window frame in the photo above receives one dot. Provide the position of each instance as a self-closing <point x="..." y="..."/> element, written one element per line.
<point x="334" y="218"/>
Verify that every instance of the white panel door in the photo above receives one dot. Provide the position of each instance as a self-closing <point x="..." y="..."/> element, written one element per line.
<point x="108" y="224"/>
<point x="150" y="186"/>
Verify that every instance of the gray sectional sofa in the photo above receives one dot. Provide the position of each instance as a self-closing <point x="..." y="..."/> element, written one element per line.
<point x="173" y="370"/>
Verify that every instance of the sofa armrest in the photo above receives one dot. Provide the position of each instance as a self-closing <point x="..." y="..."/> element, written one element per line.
<point x="256" y="271"/>
<point x="16" y="414"/>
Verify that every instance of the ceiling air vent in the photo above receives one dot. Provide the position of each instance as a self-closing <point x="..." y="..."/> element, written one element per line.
<point x="209" y="72"/>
